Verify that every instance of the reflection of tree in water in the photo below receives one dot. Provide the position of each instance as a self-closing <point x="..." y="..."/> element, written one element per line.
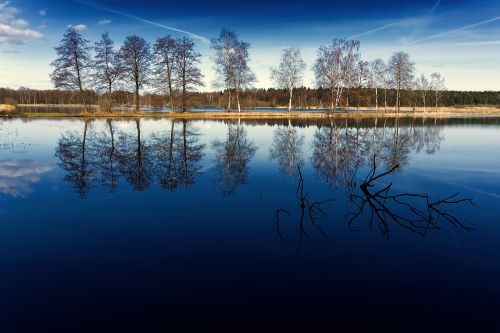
<point x="173" y="157"/>
<point x="74" y="159"/>
<point x="135" y="160"/>
<point x="232" y="157"/>
<point x="177" y="155"/>
<point x="287" y="149"/>
<point x="336" y="153"/>
<point x="340" y="150"/>
<point x="106" y="154"/>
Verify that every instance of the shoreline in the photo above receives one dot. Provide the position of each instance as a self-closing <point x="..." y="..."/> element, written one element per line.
<point x="442" y="112"/>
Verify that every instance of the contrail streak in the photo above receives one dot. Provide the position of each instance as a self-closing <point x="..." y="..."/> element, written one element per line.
<point x="417" y="21"/>
<point x="375" y="30"/>
<point x="156" y="24"/>
<point x="465" y="27"/>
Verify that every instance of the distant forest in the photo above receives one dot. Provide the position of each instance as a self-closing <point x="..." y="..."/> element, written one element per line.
<point x="250" y="98"/>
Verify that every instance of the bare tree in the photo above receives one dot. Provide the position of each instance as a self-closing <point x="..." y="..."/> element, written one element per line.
<point x="362" y="74"/>
<point x="243" y="75"/>
<point x="224" y="46"/>
<point x="378" y="79"/>
<point x="165" y="51"/>
<point x="186" y="72"/>
<point x="401" y="71"/>
<point x="72" y="64"/>
<point x="231" y="64"/>
<point x="437" y="85"/>
<point x="106" y="66"/>
<point x="334" y="67"/>
<point x="423" y="87"/>
<point x="290" y="73"/>
<point x="136" y="60"/>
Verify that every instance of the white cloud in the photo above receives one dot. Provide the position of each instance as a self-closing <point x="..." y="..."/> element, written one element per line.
<point x="16" y="33"/>
<point x="42" y="12"/>
<point x="104" y="22"/>
<point x="14" y="30"/>
<point x="78" y="27"/>
<point x="20" y="23"/>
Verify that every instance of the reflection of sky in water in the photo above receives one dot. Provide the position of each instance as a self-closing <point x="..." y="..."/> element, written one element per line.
<point x="17" y="177"/>
<point x="183" y="234"/>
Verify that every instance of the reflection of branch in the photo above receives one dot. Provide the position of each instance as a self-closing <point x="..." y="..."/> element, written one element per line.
<point x="420" y="213"/>
<point x="313" y="210"/>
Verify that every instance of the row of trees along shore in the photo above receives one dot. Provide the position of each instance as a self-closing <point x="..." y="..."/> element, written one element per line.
<point x="105" y="75"/>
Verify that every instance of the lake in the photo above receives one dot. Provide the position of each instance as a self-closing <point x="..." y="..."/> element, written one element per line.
<point x="109" y="225"/>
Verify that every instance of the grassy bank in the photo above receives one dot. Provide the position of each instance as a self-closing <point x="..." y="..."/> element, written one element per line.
<point x="353" y="113"/>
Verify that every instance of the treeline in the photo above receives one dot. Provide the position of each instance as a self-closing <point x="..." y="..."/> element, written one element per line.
<point x="250" y="98"/>
<point x="167" y="73"/>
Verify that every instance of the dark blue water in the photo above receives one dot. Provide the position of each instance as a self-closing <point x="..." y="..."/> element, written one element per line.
<point x="141" y="225"/>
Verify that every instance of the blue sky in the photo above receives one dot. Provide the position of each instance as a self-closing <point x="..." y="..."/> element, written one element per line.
<point x="460" y="39"/>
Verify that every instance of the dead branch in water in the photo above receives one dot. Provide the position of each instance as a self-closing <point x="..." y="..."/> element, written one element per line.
<point x="419" y="213"/>
<point x="313" y="211"/>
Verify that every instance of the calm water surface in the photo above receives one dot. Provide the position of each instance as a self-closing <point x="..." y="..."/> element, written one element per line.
<point x="107" y="225"/>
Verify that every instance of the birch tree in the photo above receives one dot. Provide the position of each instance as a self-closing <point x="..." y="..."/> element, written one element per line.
<point x="231" y="64"/>
<point x="290" y="72"/>
<point x="378" y="79"/>
<point x="438" y="86"/>
<point x="334" y="67"/>
<point x="423" y="87"/>
<point x="243" y="75"/>
<point x="165" y="52"/>
<point x="401" y="71"/>
<point x="106" y="66"/>
<point x="136" y="59"/>
<point x="186" y="72"/>
<point x="71" y="68"/>
<point x="362" y="74"/>
<point x="224" y="46"/>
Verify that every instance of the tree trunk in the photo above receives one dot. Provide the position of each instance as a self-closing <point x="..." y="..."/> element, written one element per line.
<point x="238" y="99"/>
<point x="137" y="97"/>
<point x="290" y="101"/>
<point x="385" y="99"/>
<point x="109" y="97"/>
<point x="376" y="98"/>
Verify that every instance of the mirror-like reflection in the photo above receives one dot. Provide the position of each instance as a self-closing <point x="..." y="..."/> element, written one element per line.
<point x="190" y="217"/>
<point x="75" y="159"/>
<point x="232" y="158"/>
<point x="339" y="150"/>
<point x="287" y="149"/>
<point x="178" y="154"/>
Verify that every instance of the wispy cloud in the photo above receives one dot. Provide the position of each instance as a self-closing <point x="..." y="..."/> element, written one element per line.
<point x="453" y="31"/>
<point x="416" y="22"/>
<point x="153" y="23"/>
<point x="42" y="12"/>
<point x="479" y="43"/>
<point x="104" y="22"/>
<point x="78" y="27"/>
<point x="14" y="30"/>
<point x="10" y="51"/>
<point x="372" y="31"/>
